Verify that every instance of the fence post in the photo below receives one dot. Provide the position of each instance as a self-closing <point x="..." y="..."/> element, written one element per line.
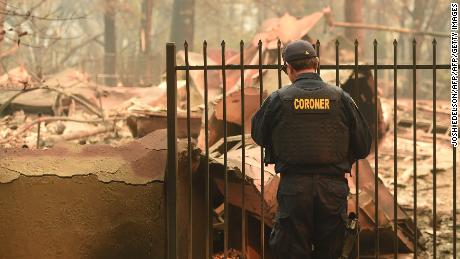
<point x="171" y="171"/>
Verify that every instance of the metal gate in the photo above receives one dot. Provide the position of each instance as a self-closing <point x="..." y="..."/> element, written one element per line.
<point x="172" y="165"/>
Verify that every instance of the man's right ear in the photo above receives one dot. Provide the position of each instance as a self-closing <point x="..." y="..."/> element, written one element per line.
<point x="288" y="69"/>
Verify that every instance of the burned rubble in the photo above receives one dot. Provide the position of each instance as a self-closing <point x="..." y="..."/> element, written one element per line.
<point x="69" y="107"/>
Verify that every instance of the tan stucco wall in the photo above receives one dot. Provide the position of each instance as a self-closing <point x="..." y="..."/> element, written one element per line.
<point x="98" y="201"/>
<point x="81" y="217"/>
<point x="76" y="201"/>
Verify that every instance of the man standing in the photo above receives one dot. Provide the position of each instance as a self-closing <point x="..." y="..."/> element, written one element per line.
<point x="313" y="132"/>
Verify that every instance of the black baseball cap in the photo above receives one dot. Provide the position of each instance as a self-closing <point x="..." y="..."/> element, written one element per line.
<point x="297" y="50"/>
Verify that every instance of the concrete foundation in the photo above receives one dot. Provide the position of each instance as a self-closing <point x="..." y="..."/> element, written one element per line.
<point x="84" y="201"/>
<point x="81" y="217"/>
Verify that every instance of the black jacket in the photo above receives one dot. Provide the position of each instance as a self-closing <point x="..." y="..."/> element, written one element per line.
<point x="269" y="113"/>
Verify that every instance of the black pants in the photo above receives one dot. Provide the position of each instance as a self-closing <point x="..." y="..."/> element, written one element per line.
<point x="310" y="222"/>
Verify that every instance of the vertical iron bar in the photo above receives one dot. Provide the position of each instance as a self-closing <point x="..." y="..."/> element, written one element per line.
<point x="279" y="64"/>
<point x="262" y="165"/>
<point x="243" y="157"/>
<point x="356" y="89"/>
<point x="414" y="125"/>
<point x="376" y="154"/>
<point x="189" y="150"/>
<point x="226" y="208"/>
<point x="318" y="44"/>
<point x="337" y="77"/>
<point x="208" y="199"/>
<point x="395" y="146"/>
<point x="171" y="174"/>
<point x="38" y="130"/>
<point x="434" y="148"/>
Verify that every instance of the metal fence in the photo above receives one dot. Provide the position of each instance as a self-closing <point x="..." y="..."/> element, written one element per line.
<point x="172" y="165"/>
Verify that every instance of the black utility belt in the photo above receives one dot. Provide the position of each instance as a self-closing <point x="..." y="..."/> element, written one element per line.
<point x="327" y="175"/>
